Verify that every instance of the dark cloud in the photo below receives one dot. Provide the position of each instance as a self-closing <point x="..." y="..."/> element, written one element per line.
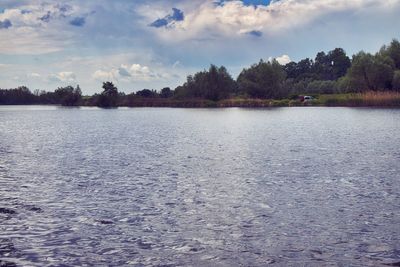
<point x="46" y="18"/>
<point x="5" y="24"/>
<point x="245" y="2"/>
<point x="64" y="8"/>
<point x="159" y="23"/>
<point x="255" y="33"/>
<point x="256" y="2"/>
<point x="62" y="12"/>
<point x="177" y="15"/>
<point x="78" y="21"/>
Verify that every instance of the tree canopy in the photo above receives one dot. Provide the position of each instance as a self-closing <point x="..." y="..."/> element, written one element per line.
<point x="212" y="84"/>
<point x="263" y="80"/>
<point x="371" y="72"/>
<point x="109" y="97"/>
<point x="329" y="72"/>
<point x="69" y="96"/>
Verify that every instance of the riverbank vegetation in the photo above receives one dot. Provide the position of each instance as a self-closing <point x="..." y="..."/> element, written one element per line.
<point x="331" y="79"/>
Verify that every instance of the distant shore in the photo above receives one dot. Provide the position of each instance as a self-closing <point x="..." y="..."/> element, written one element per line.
<point x="368" y="99"/>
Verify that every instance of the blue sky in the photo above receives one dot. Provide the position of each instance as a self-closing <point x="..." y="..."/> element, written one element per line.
<point x="256" y="2"/>
<point x="152" y="44"/>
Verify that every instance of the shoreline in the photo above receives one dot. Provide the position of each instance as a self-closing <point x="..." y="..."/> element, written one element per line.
<point x="212" y="106"/>
<point x="369" y="99"/>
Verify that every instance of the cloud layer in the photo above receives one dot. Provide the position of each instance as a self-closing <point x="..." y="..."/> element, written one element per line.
<point x="233" y="19"/>
<point x="38" y="28"/>
<point x="152" y="44"/>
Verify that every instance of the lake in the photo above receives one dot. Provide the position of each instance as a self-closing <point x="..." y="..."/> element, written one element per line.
<point x="304" y="186"/>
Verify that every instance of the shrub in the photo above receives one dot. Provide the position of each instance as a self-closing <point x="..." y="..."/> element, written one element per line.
<point x="396" y="81"/>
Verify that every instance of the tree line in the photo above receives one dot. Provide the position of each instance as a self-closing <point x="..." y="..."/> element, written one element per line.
<point x="66" y="96"/>
<point x="328" y="73"/>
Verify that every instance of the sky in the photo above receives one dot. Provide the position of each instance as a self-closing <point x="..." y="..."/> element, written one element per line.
<point x="137" y="44"/>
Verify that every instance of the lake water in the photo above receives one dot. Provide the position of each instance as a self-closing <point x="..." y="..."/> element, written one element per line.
<point x="199" y="187"/>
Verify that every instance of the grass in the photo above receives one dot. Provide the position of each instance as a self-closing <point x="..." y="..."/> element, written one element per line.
<point x="384" y="99"/>
<point x="367" y="99"/>
<point x="243" y="102"/>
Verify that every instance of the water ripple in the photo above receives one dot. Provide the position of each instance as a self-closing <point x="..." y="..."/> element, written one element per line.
<point x="187" y="187"/>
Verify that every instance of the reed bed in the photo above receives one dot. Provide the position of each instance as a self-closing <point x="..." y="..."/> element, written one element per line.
<point x="366" y="99"/>
<point x="381" y="99"/>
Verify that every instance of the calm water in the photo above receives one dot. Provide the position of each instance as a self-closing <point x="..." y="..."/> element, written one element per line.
<point x="199" y="187"/>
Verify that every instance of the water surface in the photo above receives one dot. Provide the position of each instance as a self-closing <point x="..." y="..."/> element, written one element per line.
<point x="199" y="187"/>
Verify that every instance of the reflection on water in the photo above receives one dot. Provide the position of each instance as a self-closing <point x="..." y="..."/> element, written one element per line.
<point x="199" y="187"/>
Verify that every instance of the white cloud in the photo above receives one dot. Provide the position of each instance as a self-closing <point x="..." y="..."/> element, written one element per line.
<point x="235" y="19"/>
<point x="102" y="75"/>
<point x="37" y="29"/>
<point x="64" y="77"/>
<point x="31" y="41"/>
<point x="233" y="35"/>
<point x="127" y="73"/>
<point x="17" y="78"/>
<point x="177" y="64"/>
<point x="33" y="75"/>
<point x="283" y="60"/>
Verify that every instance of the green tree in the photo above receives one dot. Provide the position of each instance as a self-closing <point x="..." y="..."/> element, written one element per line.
<point x="340" y="63"/>
<point x="371" y="72"/>
<point x="17" y="96"/>
<point x="147" y="93"/>
<point x="212" y="84"/>
<point x="331" y="66"/>
<point x="392" y="51"/>
<point x="323" y="66"/>
<point x="109" y="97"/>
<point x="321" y="87"/>
<point x="263" y="80"/>
<point x="68" y="96"/>
<point x="396" y="80"/>
<point x="166" y="92"/>
<point x="291" y="70"/>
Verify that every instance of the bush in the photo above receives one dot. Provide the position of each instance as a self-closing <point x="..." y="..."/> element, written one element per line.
<point x="280" y="103"/>
<point x="109" y="97"/>
<point x="322" y="87"/>
<point x="396" y="80"/>
<point x="371" y="72"/>
<point x="263" y="80"/>
<point x="213" y="84"/>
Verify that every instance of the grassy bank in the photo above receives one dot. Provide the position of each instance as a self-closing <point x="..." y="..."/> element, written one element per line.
<point x="368" y="99"/>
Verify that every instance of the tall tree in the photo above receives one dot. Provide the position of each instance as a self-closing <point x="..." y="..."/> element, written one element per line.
<point x="109" y="96"/>
<point x="263" y="80"/>
<point x="213" y="84"/>
<point x="166" y="92"/>
<point x="392" y="51"/>
<point x="68" y="96"/>
<point x="340" y="63"/>
<point x="396" y="80"/>
<point x="371" y="72"/>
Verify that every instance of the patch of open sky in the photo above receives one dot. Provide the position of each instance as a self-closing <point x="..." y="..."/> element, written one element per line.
<point x="250" y="2"/>
<point x="29" y="59"/>
<point x="256" y="2"/>
<point x="53" y="57"/>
